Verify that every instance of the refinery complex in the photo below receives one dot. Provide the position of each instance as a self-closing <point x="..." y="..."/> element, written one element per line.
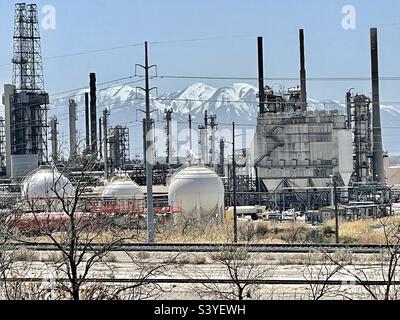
<point x="193" y="204"/>
<point x="297" y="158"/>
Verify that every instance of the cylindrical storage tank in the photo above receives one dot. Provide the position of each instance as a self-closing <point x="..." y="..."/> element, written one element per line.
<point x="43" y="188"/>
<point x="123" y="189"/>
<point x="199" y="193"/>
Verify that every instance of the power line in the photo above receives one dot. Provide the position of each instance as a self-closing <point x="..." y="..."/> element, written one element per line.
<point x="389" y="78"/>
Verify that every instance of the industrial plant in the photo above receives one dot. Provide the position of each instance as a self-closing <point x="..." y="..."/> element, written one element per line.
<point x="299" y="157"/>
<point x="303" y="165"/>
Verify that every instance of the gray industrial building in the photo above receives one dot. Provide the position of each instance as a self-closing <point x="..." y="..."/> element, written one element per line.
<point x="303" y="149"/>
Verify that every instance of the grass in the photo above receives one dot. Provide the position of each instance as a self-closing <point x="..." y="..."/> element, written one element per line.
<point x="194" y="259"/>
<point x="368" y="231"/>
<point x="24" y="255"/>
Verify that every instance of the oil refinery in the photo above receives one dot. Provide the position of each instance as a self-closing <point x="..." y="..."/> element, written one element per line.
<point x="116" y="192"/>
<point x="298" y="156"/>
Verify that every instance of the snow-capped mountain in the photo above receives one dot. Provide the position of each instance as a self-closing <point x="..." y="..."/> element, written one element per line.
<point x="237" y="102"/>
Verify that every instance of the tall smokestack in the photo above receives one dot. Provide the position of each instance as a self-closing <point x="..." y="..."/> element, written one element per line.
<point x="54" y="139"/>
<point x="93" y="112"/>
<point x="378" y="165"/>
<point x="303" y="79"/>
<point x="87" y="121"/>
<point x="261" y="75"/>
<point x="72" y="129"/>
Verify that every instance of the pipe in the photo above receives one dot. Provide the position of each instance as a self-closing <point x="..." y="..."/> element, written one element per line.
<point x="378" y="165"/>
<point x="303" y="78"/>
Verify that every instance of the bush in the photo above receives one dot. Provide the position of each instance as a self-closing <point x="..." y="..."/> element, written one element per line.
<point x="191" y="259"/>
<point x="54" y="257"/>
<point x="24" y="255"/>
<point x="110" y="258"/>
<point x="143" y="255"/>
<point x="348" y="240"/>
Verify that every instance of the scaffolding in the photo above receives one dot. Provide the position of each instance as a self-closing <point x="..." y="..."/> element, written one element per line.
<point x="118" y="141"/>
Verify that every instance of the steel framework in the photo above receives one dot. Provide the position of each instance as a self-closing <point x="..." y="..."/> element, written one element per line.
<point x="28" y="112"/>
<point x="27" y="60"/>
<point x="118" y="140"/>
<point x="360" y="122"/>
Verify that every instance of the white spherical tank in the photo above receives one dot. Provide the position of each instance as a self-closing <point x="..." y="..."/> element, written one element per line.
<point x="197" y="191"/>
<point x="46" y="183"/>
<point x="123" y="188"/>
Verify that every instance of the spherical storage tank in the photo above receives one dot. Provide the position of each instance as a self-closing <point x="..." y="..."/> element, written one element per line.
<point x="198" y="192"/>
<point x="123" y="188"/>
<point x="44" y="186"/>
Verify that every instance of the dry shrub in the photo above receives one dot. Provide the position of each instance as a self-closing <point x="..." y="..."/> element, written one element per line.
<point x="219" y="233"/>
<point x="54" y="257"/>
<point x="24" y="255"/>
<point x="195" y="259"/>
<point x="227" y="255"/>
<point x="246" y="231"/>
<point x="368" y="231"/>
<point x="110" y="258"/>
<point x="142" y="255"/>
<point x="262" y="228"/>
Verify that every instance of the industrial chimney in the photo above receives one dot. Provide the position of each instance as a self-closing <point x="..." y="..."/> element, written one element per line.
<point x="378" y="165"/>
<point x="261" y="75"/>
<point x="87" y="121"/>
<point x="72" y="130"/>
<point x="93" y="113"/>
<point x="303" y="79"/>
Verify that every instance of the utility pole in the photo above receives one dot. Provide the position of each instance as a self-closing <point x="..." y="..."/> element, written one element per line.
<point x="235" y="222"/>
<point x="106" y="113"/>
<point x="148" y="151"/>
<point x="336" y="210"/>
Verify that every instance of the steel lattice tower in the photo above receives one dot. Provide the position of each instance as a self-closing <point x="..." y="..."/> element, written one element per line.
<point x="27" y="119"/>
<point x="27" y="60"/>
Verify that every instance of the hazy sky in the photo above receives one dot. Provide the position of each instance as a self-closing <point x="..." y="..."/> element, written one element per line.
<point x="84" y="25"/>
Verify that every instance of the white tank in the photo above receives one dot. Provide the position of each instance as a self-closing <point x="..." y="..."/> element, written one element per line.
<point x="46" y="182"/>
<point x="198" y="192"/>
<point x="123" y="188"/>
<point x="42" y="187"/>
